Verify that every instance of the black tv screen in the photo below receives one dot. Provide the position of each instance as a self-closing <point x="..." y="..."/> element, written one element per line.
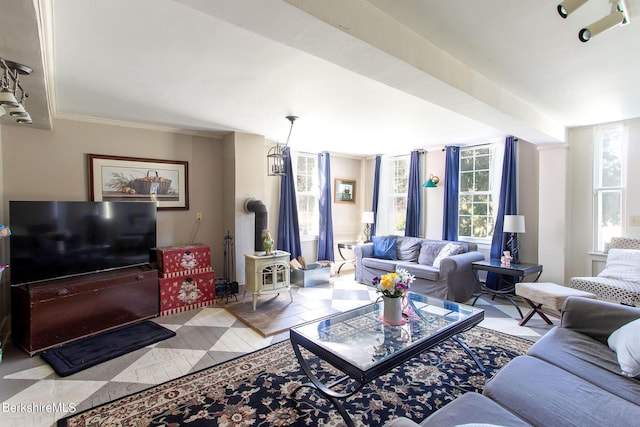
<point x="53" y="239"/>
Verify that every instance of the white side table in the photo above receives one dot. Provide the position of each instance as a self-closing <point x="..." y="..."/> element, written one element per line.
<point x="267" y="274"/>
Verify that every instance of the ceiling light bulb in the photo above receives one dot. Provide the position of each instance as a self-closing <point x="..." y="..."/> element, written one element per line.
<point x="25" y="120"/>
<point x="567" y="7"/>
<point x="608" y="22"/>
<point x="18" y="111"/>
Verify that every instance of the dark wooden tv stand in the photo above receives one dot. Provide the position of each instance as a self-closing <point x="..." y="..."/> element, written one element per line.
<point x="50" y="313"/>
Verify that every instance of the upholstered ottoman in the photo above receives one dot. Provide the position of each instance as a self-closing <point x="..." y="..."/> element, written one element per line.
<point x="551" y="295"/>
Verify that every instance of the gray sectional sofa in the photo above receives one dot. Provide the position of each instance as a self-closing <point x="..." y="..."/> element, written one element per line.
<point x="570" y="377"/>
<point x="452" y="280"/>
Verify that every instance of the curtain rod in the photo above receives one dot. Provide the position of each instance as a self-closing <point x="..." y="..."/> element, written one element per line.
<point x="476" y="145"/>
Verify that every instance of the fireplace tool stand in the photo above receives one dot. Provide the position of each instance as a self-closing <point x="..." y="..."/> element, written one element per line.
<point x="230" y="286"/>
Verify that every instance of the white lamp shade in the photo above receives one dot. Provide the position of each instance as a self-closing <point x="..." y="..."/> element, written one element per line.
<point x="367" y="217"/>
<point x="513" y="224"/>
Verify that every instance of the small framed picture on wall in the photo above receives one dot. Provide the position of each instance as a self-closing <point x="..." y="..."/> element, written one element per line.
<point x="344" y="190"/>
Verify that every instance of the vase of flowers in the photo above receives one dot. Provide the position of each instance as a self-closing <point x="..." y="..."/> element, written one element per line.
<point x="393" y="287"/>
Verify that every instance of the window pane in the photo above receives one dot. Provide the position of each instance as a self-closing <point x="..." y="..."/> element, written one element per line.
<point x="612" y="157"/>
<point x="482" y="162"/>
<point x="609" y="181"/>
<point x="609" y="220"/>
<point x="466" y="182"/>
<point x="306" y="194"/>
<point x="475" y="204"/>
<point x="482" y="181"/>
<point x="466" y="164"/>
<point x="610" y="205"/>
<point x="480" y="209"/>
<point x="464" y="226"/>
<point x="464" y="205"/>
<point x="480" y="227"/>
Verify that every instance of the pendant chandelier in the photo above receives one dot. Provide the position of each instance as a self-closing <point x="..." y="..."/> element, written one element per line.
<point x="12" y="94"/>
<point x="276" y="156"/>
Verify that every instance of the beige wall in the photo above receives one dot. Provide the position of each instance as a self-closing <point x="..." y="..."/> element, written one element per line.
<point x="528" y="199"/>
<point x="52" y="165"/>
<point x="434" y="197"/>
<point x="552" y="213"/>
<point x="581" y="261"/>
<point x="347" y="216"/>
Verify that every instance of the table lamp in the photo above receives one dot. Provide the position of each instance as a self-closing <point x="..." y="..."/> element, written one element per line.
<point x="513" y="224"/>
<point x="367" y="220"/>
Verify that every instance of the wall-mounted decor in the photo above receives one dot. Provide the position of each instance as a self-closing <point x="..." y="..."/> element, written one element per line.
<point x="113" y="178"/>
<point x="344" y="190"/>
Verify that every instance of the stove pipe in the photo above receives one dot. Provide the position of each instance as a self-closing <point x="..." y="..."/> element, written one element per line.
<point x="261" y="220"/>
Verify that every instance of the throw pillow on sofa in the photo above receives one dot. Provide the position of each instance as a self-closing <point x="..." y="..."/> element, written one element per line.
<point x="622" y="264"/>
<point x="408" y="248"/>
<point x="448" y="250"/>
<point x="384" y="247"/>
<point x="625" y="341"/>
<point x="429" y="250"/>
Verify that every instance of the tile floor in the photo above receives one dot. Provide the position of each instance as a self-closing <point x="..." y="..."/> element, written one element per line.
<point x="33" y="395"/>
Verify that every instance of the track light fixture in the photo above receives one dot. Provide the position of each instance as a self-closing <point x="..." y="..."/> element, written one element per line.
<point x="10" y="87"/>
<point x="276" y="156"/>
<point x="568" y="6"/>
<point x="618" y="16"/>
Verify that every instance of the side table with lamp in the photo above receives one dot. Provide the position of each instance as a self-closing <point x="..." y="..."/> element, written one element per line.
<point x="509" y="266"/>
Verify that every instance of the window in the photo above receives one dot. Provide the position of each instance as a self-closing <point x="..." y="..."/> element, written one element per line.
<point x="394" y="187"/>
<point x="475" y="216"/>
<point x="307" y="194"/>
<point x="399" y="193"/>
<point x="608" y="185"/>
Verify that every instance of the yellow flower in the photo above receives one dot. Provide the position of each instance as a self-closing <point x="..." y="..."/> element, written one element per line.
<point x="389" y="281"/>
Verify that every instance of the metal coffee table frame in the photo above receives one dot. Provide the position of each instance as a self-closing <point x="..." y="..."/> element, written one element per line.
<point x="458" y="318"/>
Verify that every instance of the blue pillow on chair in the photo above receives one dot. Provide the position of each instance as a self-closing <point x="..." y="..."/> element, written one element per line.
<point x="384" y="247"/>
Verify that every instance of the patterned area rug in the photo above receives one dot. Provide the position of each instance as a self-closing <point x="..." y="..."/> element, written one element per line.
<point x="253" y="390"/>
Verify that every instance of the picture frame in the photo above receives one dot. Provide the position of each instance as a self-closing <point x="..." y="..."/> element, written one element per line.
<point x="344" y="190"/>
<point x="116" y="178"/>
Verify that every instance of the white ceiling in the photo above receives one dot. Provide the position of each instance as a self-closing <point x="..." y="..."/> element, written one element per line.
<point x="364" y="76"/>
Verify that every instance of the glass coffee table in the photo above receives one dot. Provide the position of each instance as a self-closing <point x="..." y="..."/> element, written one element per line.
<point x="363" y="347"/>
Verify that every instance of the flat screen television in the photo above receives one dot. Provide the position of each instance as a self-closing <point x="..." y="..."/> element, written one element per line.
<point x="55" y="239"/>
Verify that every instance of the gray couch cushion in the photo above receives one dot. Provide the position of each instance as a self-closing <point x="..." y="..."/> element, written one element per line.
<point x="587" y="358"/>
<point x="420" y="271"/>
<point x="385" y="265"/>
<point x="472" y="408"/>
<point x="408" y="248"/>
<point x="546" y="395"/>
<point x="429" y="250"/>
